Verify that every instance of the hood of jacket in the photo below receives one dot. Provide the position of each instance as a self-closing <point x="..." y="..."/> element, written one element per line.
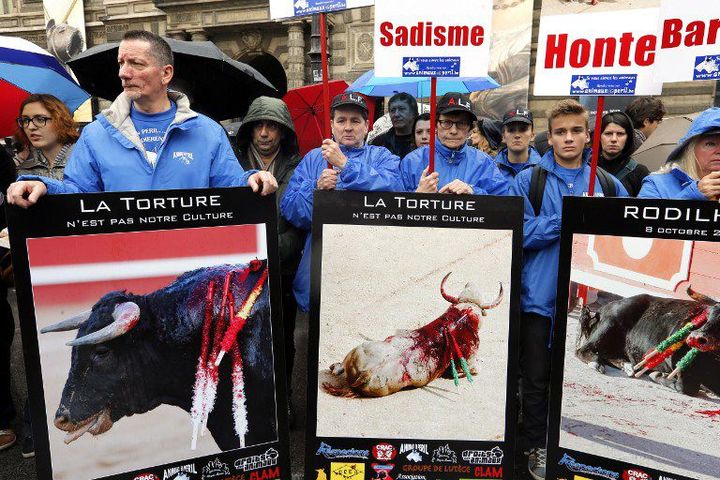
<point x="707" y="122"/>
<point x="117" y="115"/>
<point x="616" y="164"/>
<point x="272" y="109"/>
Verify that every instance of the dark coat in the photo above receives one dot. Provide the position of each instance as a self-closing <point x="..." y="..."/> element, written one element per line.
<point x="399" y="145"/>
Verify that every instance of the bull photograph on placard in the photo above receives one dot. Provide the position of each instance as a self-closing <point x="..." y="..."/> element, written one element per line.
<point x="639" y="389"/>
<point x="414" y="321"/>
<point x="154" y="346"/>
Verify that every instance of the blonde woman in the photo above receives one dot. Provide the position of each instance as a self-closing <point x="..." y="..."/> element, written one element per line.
<point x="692" y="171"/>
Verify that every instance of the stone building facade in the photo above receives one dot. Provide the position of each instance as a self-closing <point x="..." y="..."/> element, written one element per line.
<point x="244" y="31"/>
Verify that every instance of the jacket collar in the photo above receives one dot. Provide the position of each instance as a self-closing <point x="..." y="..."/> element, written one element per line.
<point x="451" y="156"/>
<point x="117" y="116"/>
<point x="502" y="157"/>
<point x="683" y="177"/>
<point x="548" y="160"/>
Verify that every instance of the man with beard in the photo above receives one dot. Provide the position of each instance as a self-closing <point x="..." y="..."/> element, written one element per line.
<point x="459" y="168"/>
<point x="148" y="139"/>
<point x="353" y="165"/>
<point x="266" y="142"/>
<point x="399" y="139"/>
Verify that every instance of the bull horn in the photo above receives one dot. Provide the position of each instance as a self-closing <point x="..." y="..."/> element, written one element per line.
<point x="447" y="297"/>
<point x="483" y="306"/>
<point x="72" y="323"/>
<point x="699" y="297"/>
<point x="125" y="316"/>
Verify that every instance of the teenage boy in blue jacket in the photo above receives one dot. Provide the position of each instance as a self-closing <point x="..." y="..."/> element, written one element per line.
<point x="353" y="166"/>
<point x="148" y="139"/>
<point x="567" y="164"/>
<point x="459" y="168"/>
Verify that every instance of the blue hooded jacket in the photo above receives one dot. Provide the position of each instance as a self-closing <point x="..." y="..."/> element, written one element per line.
<point x="368" y="168"/>
<point x="466" y="164"/>
<point x="505" y="167"/>
<point x="676" y="184"/>
<point x="541" y="242"/>
<point x="109" y="156"/>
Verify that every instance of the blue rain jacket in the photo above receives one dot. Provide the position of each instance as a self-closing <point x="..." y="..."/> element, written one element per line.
<point x="368" y="168"/>
<point x="505" y="167"/>
<point x="110" y="157"/>
<point x="541" y="242"/>
<point x="466" y="164"/>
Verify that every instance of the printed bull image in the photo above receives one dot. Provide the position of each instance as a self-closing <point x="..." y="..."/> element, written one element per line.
<point x="203" y="344"/>
<point x="417" y="357"/>
<point x="679" y="340"/>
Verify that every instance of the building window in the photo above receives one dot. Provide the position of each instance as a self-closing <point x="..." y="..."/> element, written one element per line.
<point x="6" y="6"/>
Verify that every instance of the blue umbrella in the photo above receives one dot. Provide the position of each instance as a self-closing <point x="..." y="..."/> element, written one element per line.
<point x="25" y="69"/>
<point x="418" y="87"/>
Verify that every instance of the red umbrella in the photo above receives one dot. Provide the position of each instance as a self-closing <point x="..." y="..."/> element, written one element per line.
<point x="308" y="114"/>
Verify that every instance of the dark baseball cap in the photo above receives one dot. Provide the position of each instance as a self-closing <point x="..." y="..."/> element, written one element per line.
<point x="349" y="99"/>
<point x="455" y="102"/>
<point x="518" y="115"/>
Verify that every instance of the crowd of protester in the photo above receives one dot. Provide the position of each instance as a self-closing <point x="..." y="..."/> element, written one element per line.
<point x="129" y="145"/>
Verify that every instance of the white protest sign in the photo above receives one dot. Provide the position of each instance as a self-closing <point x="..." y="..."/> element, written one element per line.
<point x="597" y="52"/>
<point x="432" y="38"/>
<point x="688" y="46"/>
<point x="298" y="8"/>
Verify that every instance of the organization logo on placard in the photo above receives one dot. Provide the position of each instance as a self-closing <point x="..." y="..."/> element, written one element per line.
<point x="382" y="471"/>
<point x="635" y="474"/>
<point x="431" y="66"/>
<point x="574" y="466"/>
<point x="181" y="472"/>
<point x="444" y="454"/>
<point x="483" y="457"/>
<point x="215" y="468"/>
<point x="384" y="452"/>
<point x="404" y="476"/>
<point x="414" y="452"/>
<point x="308" y="7"/>
<point x="265" y="474"/>
<point x="707" y="67"/>
<point x="488" y="472"/>
<point x="347" y="471"/>
<point x="146" y="476"/>
<point x="253" y="462"/>
<point x="623" y="84"/>
<point x="331" y="453"/>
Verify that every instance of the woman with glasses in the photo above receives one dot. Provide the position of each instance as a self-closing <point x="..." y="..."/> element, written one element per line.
<point x="47" y="128"/>
<point x="459" y="168"/>
<point x="692" y="171"/>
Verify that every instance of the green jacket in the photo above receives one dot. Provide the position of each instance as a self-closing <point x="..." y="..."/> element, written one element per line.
<point x="291" y="240"/>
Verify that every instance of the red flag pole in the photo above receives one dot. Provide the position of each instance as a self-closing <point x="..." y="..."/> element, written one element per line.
<point x="325" y="76"/>
<point x="433" y="102"/>
<point x="596" y="144"/>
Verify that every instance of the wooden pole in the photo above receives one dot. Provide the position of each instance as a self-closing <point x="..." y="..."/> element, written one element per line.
<point x="433" y="113"/>
<point x="596" y="144"/>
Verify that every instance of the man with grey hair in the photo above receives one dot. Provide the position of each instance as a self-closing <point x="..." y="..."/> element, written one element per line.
<point x="148" y="139"/>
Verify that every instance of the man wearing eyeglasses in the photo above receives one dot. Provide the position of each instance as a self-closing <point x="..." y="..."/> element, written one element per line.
<point x="148" y="139"/>
<point x="517" y="134"/>
<point x="459" y="168"/>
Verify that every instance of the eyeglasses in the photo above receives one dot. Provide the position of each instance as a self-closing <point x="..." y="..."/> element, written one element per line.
<point x="448" y="124"/>
<point x="38" y="120"/>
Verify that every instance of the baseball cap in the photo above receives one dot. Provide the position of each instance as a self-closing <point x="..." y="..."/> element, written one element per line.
<point x="349" y="98"/>
<point x="518" y="115"/>
<point x="455" y="102"/>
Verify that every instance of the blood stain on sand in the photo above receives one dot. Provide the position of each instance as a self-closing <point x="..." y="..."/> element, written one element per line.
<point x="713" y="414"/>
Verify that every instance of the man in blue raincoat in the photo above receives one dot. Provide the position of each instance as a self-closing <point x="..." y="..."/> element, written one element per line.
<point x="355" y="166"/>
<point x="518" y="134"/>
<point x="459" y="168"/>
<point x="566" y="167"/>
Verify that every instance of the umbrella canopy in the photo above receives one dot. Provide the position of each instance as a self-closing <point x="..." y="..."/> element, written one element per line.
<point x="217" y="85"/>
<point x="656" y="149"/>
<point x="25" y="69"/>
<point x="419" y="87"/>
<point x="308" y="113"/>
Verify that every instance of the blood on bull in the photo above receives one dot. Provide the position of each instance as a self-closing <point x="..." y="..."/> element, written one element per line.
<point x="133" y="353"/>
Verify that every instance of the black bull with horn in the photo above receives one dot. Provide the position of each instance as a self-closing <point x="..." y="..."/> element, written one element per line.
<point x="133" y="353"/>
